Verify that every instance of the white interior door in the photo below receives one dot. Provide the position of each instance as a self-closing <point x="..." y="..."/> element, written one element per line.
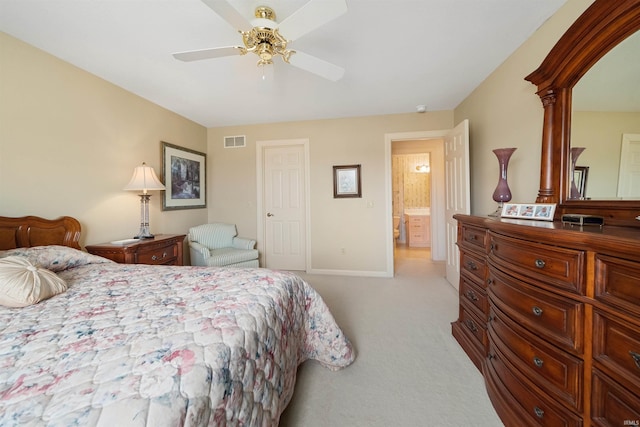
<point x="629" y="179"/>
<point x="457" y="197"/>
<point x="284" y="207"/>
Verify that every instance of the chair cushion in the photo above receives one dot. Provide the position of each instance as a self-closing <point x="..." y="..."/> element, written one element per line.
<point x="226" y="256"/>
<point x="213" y="236"/>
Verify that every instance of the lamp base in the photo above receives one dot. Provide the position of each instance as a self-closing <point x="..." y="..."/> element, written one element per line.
<point x="144" y="237"/>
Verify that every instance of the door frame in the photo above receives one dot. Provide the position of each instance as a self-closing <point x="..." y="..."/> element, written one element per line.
<point x="437" y="216"/>
<point x="261" y="213"/>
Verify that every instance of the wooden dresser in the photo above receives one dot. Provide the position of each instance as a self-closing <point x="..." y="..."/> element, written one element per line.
<point x="551" y="315"/>
<point x="163" y="249"/>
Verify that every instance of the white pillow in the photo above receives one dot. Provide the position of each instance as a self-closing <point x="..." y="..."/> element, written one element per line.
<point x="23" y="284"/>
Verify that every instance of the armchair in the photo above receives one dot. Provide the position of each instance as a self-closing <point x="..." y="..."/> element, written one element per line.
<point x="217" y="245"/>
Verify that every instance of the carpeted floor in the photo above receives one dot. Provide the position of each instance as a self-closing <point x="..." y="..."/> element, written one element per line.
<point x="409" y="371"/>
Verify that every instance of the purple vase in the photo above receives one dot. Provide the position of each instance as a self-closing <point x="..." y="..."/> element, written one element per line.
<point x="502" y="192"/>
<point x="575" y="153"/>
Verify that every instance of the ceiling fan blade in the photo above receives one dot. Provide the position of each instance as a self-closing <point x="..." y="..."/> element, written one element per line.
<point x="229" y="14"/>
<point x="311" y="16"/>
<point x="216" y="52"/>
<point x="316" y="66"/>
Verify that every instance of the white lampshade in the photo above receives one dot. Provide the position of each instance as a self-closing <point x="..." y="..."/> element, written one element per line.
<point x="144" y="178"/>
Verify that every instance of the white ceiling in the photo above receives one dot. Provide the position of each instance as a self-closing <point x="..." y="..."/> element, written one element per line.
<point x="397" y="53"/>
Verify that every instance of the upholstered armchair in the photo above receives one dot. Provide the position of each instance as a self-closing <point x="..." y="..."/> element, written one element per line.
<point x="217" y="245"/>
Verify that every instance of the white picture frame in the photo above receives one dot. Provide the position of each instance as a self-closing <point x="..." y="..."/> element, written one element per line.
<point x="534" y="211"/>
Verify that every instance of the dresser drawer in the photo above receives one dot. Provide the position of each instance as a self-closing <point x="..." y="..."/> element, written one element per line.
<point x="475" y="329"/>
<point x="618" y="283"/>
<point x="558" y="267"/>
<point x="474" y="297"/>
<point x="616" y="346"/>
<point x="533" y="407"/>
<point x="550" y="316"/>
<point x="472" y="237"/>
<point x="611" y="404"/>
<point x="160" y="254"/>
<point x="472" y="265"/>
<point x="552" y="369"/>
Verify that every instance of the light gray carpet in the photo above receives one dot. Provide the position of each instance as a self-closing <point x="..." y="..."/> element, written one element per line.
<point x="409" y="371"/>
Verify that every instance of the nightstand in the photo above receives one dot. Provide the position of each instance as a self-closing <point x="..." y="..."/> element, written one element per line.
<point x="163" y="249"/>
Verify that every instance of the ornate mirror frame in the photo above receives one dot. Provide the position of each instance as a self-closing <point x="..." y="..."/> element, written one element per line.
<point x="599" y="29"/>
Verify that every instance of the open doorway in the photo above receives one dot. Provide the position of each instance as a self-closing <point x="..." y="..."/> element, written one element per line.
<point x="416" y="187"/>
<point x="411" y="203"/>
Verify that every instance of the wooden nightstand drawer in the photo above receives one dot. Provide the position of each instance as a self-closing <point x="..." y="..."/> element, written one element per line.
<point x="165" y="254"/>
<point x="164" y="249"/>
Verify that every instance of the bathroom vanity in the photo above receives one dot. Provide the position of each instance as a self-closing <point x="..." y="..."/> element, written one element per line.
<point x="418" y="222"/>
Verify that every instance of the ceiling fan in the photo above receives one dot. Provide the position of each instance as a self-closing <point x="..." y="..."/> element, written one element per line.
<point x="267" y="38"/>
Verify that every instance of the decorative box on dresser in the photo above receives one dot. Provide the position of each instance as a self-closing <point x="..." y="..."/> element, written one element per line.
<point x="163" y="249"/>
<point x="563" y="321"/>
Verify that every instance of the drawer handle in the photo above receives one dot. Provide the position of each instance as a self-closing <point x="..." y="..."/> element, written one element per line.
<point x="537" y="311"/>
<point x="489" y="281"/>
<point x="636" y="357"/>
<point x="472" y="265"/>
<point x="473" y="237"/>
<point x="538" y="362"/>
<point x="471" y="326"/>
<point x="539" y="412"/>
<point x="540" y="263"/>
<point x="472" y="296"/>
<point x="155" y="257"/>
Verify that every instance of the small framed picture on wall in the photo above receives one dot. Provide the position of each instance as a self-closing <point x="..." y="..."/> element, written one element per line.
<point x="346" y="181"/>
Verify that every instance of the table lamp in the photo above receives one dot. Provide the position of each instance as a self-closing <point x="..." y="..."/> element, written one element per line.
<point x="144" y="178"/>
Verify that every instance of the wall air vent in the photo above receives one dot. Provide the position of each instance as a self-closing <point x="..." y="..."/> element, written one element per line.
<point x="235" y="141"/>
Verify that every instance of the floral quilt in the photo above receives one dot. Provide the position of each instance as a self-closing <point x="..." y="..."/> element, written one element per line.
<point x="139" y="345"/>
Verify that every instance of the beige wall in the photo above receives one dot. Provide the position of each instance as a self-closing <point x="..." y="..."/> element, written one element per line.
<point x="504" y="111"/>
<point x="69" y="142"/>
<point x="335" y="223"/>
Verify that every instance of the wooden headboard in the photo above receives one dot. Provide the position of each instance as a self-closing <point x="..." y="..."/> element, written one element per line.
<point x="30" y="231"/>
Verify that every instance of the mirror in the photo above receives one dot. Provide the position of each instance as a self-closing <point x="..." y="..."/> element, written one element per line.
<point x="606" y="106"/>
<point x="601" y="28"/>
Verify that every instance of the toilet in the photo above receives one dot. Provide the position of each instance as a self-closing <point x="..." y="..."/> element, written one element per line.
<point x="396" y="228"/>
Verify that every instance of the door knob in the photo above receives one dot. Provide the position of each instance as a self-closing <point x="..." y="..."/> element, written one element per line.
<point x="269" y="214"/>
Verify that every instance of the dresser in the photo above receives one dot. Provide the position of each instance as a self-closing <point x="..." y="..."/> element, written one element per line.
<point x="555" y="324"/>
<point x="163" y="249"/>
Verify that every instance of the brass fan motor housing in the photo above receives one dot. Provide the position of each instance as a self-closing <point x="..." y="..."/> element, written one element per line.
<point x="266" y="42"/>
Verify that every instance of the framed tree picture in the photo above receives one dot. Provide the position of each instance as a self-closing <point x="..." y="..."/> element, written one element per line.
<point x="346" y="181"/>
<point x="184" y="174"/>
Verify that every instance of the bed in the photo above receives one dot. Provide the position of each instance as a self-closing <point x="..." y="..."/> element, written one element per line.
<point x="136" y="345"/>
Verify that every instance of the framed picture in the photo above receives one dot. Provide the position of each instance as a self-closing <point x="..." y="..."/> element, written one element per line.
<point x="580" y="175"/>
<point x="537" y="211"/>
<point x="184" y="174"/>
<point x="346" y="181"/>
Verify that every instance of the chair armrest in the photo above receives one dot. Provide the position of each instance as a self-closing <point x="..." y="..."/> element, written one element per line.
<point x="199" y="253"/>
<point x="242" y="243"/>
